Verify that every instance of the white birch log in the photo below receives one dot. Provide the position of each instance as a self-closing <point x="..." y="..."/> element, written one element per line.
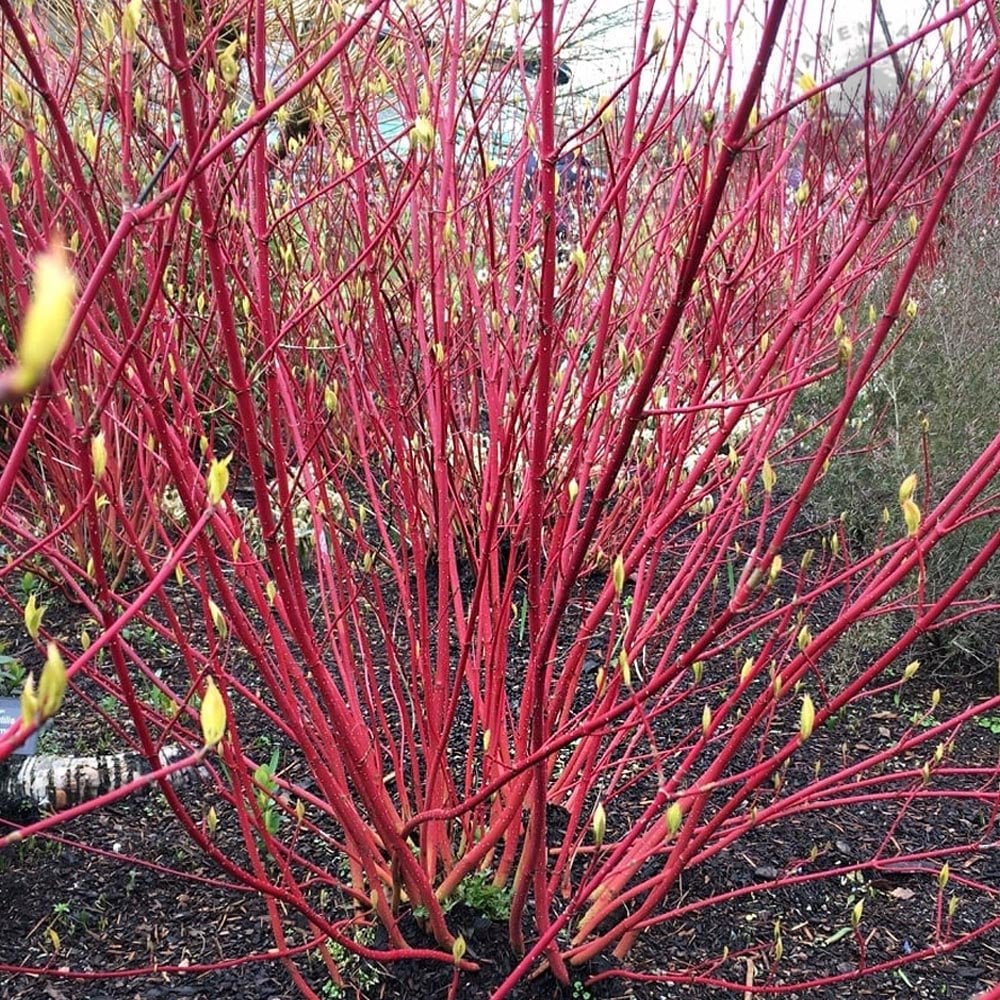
<point x="51" y="782"/>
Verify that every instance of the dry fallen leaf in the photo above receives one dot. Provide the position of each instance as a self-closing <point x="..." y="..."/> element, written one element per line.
<point x="901" y="892"/>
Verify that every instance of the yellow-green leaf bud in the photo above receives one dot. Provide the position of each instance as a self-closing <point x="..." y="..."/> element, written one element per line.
<point x="675" y="816"/>
<point x="618" y="574"/>
<point x="98" y="455"/>
<point x="18" y="95"/>
<point x="768" y="476"/>
<point x="218" y="479"/>
<point x="807" y="718"/>
<point x="131" y="18"/>
<point x="52" y="683"/>
<point x="47" y="319"/>
<point x="29" y="701"/>
<point x="599" y="824"/>
<point x="218" y="619"/>
<point x="625" y="668"/>
<point x="906" y="488"/>
<point x="213" y="714"/>
<point x="33" y="616"/>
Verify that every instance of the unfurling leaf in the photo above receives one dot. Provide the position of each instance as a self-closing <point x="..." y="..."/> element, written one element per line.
<point x="131" y="18"/>
<point x="458" y="947"/>
<point x="229" y="67"/>
<point x="330" y="399"/>
<point x="906" y="488"/>
<point x="218" y="479"/>
<point x="218" y="619"/>
<point x="422" y="133"/>
<point x="807" y="718"/>
<point x="911" y="515"/>
<point x="213" y="714"/>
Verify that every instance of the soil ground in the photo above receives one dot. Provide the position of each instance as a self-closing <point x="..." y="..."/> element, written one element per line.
<point x="124" y="888"/>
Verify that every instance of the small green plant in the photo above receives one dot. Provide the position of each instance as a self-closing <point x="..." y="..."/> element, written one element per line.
<point x="478" y="892"/>
<point x="266" y="787"/>
<point x="12" y="673"/>
<point x="362" y="975"/>
<point x="580" y="991"/>
<point x="160" y="700"/>
<point x="990" y="722"/>
<point x="29" y="583"/>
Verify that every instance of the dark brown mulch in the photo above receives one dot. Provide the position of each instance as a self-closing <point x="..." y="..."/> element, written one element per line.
<point x="71" y="903"/>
